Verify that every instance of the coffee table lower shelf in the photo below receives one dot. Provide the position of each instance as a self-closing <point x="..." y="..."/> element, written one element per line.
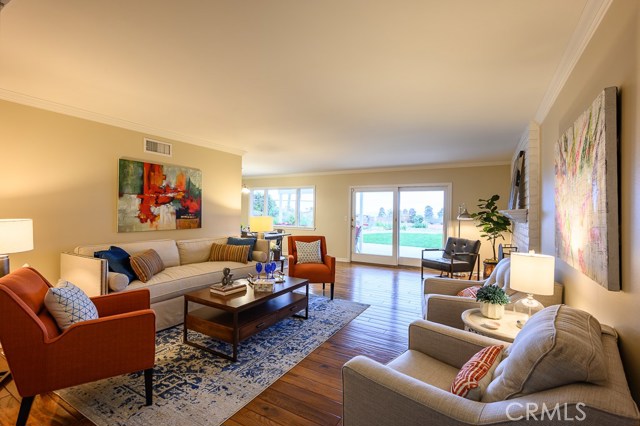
<point x="234" y="327"/>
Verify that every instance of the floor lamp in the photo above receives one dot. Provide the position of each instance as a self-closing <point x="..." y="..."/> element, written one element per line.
<point x="16" y="235"/>
<point x="463" y="215"/>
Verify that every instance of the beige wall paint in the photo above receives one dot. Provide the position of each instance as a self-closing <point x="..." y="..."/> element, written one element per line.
<point x="63" y="172"/>
<point x="611" y="59"/>
<point x="333" y="196"/>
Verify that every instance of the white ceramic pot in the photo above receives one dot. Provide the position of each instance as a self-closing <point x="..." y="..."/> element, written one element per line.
<point x="491" y="310"/>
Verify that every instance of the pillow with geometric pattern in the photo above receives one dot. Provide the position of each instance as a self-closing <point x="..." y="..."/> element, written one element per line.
<point x="68" y="304"/>
<point x="476" y="374"/>
<point x="309" y="252"/>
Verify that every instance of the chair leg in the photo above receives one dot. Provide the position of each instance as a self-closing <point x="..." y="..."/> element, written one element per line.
<point x="332" y="291"/>
<point x="323" y="286"/>
<point x="148" y="385"/>
<point x="25" y="408"/>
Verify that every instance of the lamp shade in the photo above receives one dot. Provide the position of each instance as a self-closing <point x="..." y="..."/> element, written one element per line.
<point x="532" y="273"/>
<point x="16" y="235"/>
<point x="464" y="215"/>
<point x="261" y="223"/>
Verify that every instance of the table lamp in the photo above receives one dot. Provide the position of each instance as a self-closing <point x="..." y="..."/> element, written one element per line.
<point x="16" y="235"/>
<point x="261" y="224"/>
<point x="531" y="273"/>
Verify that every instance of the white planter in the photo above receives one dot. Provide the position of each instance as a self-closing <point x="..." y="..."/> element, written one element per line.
<point x="491" y="310"/>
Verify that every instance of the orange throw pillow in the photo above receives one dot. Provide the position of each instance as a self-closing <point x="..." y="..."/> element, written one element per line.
<point x="469" y="291"/>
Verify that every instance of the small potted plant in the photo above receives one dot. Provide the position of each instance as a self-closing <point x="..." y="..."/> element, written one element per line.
<point x="492" y="299"/>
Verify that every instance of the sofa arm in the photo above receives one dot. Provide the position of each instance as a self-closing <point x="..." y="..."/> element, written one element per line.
<point x="374" y="394"/>
<point x="447" y="310"/>
<point x="447" y="285"/>
<point x="87" y="273"/>
<point x="449" y="345"/>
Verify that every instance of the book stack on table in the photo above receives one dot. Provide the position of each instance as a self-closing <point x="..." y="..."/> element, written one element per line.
<point x="223" y="290"/>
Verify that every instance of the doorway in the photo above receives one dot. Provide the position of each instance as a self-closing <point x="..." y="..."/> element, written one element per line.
<point x="391" y="225"/>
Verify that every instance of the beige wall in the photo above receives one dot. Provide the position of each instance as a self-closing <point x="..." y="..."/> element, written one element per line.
<point x="62" y="172"/>
<point x="611" y="59"/>
<point x="333" y="196"/>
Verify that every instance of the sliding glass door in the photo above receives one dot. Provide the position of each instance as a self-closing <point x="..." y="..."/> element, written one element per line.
<point x="392" y="225"/>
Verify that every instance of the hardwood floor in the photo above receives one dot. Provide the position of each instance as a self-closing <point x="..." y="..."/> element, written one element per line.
<point x="311" y="392"/>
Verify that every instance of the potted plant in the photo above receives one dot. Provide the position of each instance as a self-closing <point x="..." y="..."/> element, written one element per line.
<point x="493" y="225"/>
<point x="492" y="299"/>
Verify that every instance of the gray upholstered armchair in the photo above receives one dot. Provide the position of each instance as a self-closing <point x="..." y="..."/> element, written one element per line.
<point x="441" y="304"/>
<point x="414" y="388"/>
<point x="458" y="255"/>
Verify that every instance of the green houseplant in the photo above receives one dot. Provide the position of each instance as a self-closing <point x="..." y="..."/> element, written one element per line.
<point x="492" y="223"/>
<point x="493" y="299"/>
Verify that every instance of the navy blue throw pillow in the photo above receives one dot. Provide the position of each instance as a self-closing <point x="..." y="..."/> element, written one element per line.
<point x="251" y="242"/>
<point x="118" y="261"/>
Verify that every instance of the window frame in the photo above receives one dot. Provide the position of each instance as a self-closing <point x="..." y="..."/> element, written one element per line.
<point x="265" y="190"/>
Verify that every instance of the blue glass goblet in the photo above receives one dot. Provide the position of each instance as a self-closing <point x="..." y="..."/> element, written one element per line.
<point x="258" y="268"/>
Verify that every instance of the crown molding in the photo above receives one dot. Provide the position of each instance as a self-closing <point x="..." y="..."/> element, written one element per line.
<point x="31" y="101"/>
<point x="592" y="14"/>
<point x="383" y="170"/>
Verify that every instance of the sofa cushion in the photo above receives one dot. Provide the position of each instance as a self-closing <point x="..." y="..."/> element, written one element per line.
<point x="194" y="251"/>
<point x="251" y="242"/>
<point x="68" y="304"/>
<point x="118" y="260"/>
<point x="475" y="375"/>
<point x="557" y="346"/>
<point x="147" y="264"/>
<point x="167" y="249"/>
<point x="177" y="280"/>
<point x="424" y="368"/>
<point x="226" y="252"/>
<point x="308" y="252"/>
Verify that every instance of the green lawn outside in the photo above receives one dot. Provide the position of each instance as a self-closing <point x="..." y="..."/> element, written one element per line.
<point x="406" y="239"/>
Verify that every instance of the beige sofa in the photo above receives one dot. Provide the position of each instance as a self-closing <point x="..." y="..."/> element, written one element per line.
<point x="414" y="389"/>
<point x="187" y="268"/>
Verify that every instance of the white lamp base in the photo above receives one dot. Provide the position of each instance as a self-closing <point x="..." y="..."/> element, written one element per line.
<point x="4" y="265"/>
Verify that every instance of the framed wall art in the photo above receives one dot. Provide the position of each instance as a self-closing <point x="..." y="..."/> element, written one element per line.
<point x="154" y="197"/>
<point x="586" y="192"/>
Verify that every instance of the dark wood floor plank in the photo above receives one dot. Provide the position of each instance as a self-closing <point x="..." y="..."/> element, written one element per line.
<point x="311" y="392"/>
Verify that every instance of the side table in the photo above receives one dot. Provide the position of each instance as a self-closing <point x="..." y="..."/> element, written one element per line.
<point x="505" y="328"/>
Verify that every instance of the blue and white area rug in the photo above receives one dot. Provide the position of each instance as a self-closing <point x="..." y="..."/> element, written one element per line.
<point x="193" y="387"/>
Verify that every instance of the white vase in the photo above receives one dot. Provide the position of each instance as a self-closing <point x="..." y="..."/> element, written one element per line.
<point x="491" y="310"/>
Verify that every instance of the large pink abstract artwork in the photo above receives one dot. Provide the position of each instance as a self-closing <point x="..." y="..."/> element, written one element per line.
<point x="586" y="193"/>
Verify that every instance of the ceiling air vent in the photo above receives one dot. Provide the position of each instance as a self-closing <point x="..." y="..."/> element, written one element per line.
<point x="161" y="148"/>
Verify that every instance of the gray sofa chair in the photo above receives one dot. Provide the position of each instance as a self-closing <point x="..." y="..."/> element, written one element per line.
<point x="440" y="303"/>
<point x="413" y="389"/>
<point x="458" y="255"/>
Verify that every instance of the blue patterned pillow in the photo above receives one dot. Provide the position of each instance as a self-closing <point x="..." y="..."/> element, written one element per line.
<point x="68" y="305"/>
<point x="309" y="252"/>
<point x="118" y="261"/>
<point x="251" y="242"/>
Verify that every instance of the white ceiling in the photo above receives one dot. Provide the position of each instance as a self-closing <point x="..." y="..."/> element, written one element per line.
<point x="299" y="86"/>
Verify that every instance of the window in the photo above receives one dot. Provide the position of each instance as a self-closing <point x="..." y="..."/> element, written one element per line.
<point x="292" y="207"/>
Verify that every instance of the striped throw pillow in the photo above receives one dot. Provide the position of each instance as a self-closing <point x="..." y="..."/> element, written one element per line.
<point x="475" y="375"/>
<point x="229" y="253"/>
<point x="147" y="264"/>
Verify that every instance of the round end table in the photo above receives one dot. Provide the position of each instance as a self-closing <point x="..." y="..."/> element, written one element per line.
<point x="505" y="328"/>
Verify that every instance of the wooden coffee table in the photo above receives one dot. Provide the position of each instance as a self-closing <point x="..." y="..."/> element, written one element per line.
<point x="238" y="316"/>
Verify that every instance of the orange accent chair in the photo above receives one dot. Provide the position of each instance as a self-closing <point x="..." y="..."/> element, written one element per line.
<point x="42" y="358"/>
<point x="314" y="272"/>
